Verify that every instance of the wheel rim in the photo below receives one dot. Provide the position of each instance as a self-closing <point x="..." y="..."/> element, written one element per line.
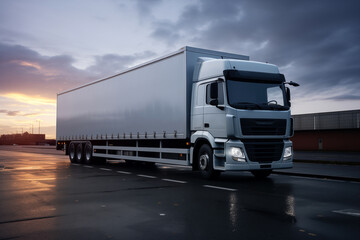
<point x="72" y="151"/>
<point x="87" y="153"/>
<point x="79" y="152"/>
<point x="203" y="161"/>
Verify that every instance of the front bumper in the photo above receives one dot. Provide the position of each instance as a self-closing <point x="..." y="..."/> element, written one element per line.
<point x="248" y="164"/>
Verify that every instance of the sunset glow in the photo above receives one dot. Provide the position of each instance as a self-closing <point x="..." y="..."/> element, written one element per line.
<point x="28" y="64"/>
<point x="22" y="98"/>
<point x="26" y="113"/>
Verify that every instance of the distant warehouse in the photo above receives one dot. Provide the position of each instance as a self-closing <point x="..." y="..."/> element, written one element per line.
<point x="22" y="139"/>
<point x="330" y="131"/>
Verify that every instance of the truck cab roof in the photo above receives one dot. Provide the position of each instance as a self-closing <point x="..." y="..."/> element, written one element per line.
<point x="211" y="68"/>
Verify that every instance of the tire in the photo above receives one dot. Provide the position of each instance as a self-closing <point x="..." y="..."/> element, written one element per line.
<point x="79" y="153"/>
<point x="261" y="174"/>
<point x="72" y="152"/>
<point x="206" y="164"/>
<point x="88" y="153"/>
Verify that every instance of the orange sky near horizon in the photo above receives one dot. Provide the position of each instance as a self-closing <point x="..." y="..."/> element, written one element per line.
<point x="29" y="86"/>
<point x="30" y="110"/>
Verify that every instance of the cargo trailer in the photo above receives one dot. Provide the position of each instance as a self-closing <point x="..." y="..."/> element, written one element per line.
<point x="214" y="111"/>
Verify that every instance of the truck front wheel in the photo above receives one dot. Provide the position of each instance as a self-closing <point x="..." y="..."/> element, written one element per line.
<point x="205" y="163"/>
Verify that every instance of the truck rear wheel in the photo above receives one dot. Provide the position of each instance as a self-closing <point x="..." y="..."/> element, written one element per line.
<point x="79" y="156"/>
<point x="261" y="173"/>
<point x="205" y="162"/>
<point x="88" y="151"/>
<point x="72" y="152"/>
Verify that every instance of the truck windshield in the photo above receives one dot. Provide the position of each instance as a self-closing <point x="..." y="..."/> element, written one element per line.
<point x="256" y="95"/>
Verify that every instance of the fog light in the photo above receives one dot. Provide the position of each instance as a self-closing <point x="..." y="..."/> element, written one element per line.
<point x="288" y="153"/>
<point x="238" y="154"/>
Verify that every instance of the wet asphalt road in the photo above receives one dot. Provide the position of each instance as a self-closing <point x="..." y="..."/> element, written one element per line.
<point x="43" y="196"/>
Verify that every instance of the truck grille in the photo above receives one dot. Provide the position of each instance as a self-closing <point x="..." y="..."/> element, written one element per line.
<point x="257" y="126"/>
<point x="264" y="151"/>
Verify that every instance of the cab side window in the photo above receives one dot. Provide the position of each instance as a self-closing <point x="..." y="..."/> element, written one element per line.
<point x="219" y="94"/>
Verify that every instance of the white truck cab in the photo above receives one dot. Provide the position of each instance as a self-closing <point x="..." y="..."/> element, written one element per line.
<point x="241" y="109"/>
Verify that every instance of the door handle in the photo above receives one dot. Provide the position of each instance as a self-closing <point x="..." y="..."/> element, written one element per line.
<point x="206" y="125"/>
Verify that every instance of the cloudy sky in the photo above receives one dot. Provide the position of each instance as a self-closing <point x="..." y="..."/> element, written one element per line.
<point x="47" y="46"/>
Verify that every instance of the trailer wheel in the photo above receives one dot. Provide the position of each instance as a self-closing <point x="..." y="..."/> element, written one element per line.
<point x="79" y="156"/>
<point x="261" y="173"/>
<point x="88" y="151"/>
<point x="72" y="152"/>
<point x="205" y="162"/>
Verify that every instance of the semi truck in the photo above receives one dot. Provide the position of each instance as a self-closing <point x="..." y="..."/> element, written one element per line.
<point x="212" y="110"/>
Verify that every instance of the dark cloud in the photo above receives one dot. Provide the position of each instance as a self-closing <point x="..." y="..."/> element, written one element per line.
<point x="166" y="33"/>
<point x="25" y="71"/>
<point x="344" y="98"/>
<point x="10" y="113"/>
<point x="316" y="43"/>
<point x="30" y="114"/>
<point x="17" y="113"/>
<point x="110" y="64"/>
<point x="144" y="7"/>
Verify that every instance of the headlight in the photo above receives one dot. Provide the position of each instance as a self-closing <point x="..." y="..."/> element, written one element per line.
<point x="288" y="153"/>
<point x="238" y="154"/>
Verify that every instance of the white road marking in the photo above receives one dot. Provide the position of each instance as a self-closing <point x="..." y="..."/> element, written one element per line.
<point x="145" y="176"/>
<point x="88" y="166"/>
<point x="221" y="188"/>
<point x="173" y="180"/>
<point x="351" y="212"/>
<point x="75" y="164"/>
<point x="123" y="172"/>
<point x="105" y="169"/>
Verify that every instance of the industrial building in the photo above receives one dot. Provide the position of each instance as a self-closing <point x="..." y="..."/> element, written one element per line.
<point x="330" y="131"/>
<point x="22" y="139"/>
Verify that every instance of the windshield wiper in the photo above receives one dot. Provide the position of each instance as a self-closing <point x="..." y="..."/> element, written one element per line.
<point x="263" y="106"/>
<point x="247" y="105"/>
<point x="274" y="106"/>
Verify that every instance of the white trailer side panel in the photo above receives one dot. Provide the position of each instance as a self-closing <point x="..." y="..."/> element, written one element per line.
<point x="154" y="97"/>
<point x="148" y="99"/>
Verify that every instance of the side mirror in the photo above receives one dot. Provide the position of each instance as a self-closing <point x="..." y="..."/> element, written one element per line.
<point x="288" y="95"/>
<point x="214" y="91"/>
<point x="292" y="83"/>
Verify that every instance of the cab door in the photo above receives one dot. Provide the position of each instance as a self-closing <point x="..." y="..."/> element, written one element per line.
<point x="214" y="112"/>
<point x="197" y="120"/>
